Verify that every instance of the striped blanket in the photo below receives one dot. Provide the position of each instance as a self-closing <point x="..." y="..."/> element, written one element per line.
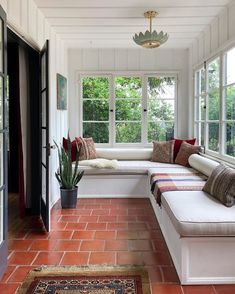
<point x="182" y="181"/>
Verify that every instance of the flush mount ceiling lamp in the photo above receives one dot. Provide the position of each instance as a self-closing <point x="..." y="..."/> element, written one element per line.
<point x="150" y="39"/>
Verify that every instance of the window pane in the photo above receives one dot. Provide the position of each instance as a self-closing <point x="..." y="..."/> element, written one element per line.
<point x="1" y="216"/>
<point x="200" y="108"/>
<point x="230" y="139"/>
<point x="202" y="132"/>
<point x="199" y="133"/>
<point x="1" y="160"/>
<point x="95" y="87"/>
<point x="128" y="87"/>
<point x="98" y="131"/>
<point x="97" y="110"/>
<point x="1" y="45"/>
<point x="203" y="80"/>
<point x="213" y="74"/>
<point x="196" y="83"/>
<point x="128" y="109"/>
<point x="213" y="136"/>
<point x="160" y="131"/>
<point x="229" y="67"/>
<point x="128" y="132"/>
<point x="161" y="87"/>
<point x="230" y="103"/>
<point x="213" y="101"/>
<point x="1" y="103"/>
<point x="161" y="110"/>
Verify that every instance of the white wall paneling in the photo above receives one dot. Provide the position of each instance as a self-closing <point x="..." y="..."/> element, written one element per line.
<point x="40" y="28"/>
<point x="201" y="46"/>
<point x="106" y="59"/>
<point x="121" y="59"/>
<point x="207" y="40"/>
<point x="214" y="34"/>
<point x="32" y="12"/>
<point x="14" y="10"/>
<point x="24" y="22"/>
<point x="223" y="27"/>
<point x="231" y="20"/>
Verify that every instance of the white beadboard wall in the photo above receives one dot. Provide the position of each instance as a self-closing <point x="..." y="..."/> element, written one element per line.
<point x="124" y="60"/>
<point x="29" y="22"/>
<point x="217" y="36"/>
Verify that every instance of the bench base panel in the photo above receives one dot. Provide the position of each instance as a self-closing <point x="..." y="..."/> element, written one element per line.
<point x="199" y="260"/>
<point x="113" y="186"/>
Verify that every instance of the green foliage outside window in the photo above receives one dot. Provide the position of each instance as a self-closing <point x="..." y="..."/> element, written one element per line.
<point x="128" y="108"/>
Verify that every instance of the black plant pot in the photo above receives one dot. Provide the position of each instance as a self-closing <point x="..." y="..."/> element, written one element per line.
<point x="68" y="198"/>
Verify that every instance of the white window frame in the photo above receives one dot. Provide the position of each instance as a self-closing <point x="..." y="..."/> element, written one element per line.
<point x="222" y="122"/>
<point x="111" y="75"/>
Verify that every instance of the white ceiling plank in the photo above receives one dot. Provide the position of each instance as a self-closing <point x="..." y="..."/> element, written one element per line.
<point x="128" y="3"/>
<point x="121" y="36"/>
<point x="119" y="44"/>
<point x="130" y="12"/>
<point x="67" y="21"/>
<point x="125" y="29"/>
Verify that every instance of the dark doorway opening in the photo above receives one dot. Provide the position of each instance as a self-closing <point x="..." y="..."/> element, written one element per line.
<point x="24" y="124"/>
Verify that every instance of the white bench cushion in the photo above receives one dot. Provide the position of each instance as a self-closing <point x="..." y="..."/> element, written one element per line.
<point x="130" y="167"/>
<point x="125" y="153"/>
<point x="195" y="213"/>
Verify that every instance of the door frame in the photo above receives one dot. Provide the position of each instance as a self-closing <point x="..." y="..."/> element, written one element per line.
<point x="4" y="131"/>
<point x="45" y="127"/>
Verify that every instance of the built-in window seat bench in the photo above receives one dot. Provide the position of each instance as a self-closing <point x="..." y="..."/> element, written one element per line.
<point x="198" y="229"/>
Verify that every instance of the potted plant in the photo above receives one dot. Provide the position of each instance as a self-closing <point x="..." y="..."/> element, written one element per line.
<point x="68" y="176"/>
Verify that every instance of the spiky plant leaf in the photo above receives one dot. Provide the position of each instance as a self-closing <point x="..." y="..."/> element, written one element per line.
<point x="67" y="176"/>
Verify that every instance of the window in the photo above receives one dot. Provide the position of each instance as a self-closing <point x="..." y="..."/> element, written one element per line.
<point x="229" y="103"/>
<point x="215" y="105"/>
<point x="128" y="109"/>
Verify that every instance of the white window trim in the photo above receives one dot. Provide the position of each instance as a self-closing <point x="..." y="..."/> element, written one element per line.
<point x="111" y="75"/>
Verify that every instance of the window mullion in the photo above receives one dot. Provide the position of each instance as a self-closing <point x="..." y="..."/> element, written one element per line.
<point x="80" y="110"/>
<point x="144" y="114"/>
<point x="221" y="114"/>
<point x="112" y="129"/>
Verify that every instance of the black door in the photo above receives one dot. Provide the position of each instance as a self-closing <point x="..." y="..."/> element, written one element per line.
<point x="3" y="144"/>
<point x="45" y="145"/>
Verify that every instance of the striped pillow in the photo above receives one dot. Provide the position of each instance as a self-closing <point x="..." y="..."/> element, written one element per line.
<point x="87" y="148"/>
<point x="221" y="185"/>
<point x="163" y="151"/>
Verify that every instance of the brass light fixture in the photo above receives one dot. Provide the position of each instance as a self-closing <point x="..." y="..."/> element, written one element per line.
<point x="150" y="39"/>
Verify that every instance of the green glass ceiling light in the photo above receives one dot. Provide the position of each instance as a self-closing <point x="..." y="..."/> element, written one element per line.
<point x="150" y="39"/>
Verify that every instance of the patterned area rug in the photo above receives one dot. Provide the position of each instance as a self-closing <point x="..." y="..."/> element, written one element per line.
<point x="86" y="280"/>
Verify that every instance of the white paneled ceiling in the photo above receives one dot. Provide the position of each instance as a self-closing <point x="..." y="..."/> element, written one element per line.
<point x="112" y="23"/>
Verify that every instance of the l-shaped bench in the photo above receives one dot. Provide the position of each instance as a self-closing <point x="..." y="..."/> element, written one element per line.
<point x="199" y="230"/>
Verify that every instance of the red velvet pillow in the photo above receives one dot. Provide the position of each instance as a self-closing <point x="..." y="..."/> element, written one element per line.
<point x="178" y="143"/>
<point x="73" y="148"/>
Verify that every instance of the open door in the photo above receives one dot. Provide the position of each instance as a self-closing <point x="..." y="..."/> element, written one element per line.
<point x="3" y="144"/>
<point x="45" y="145"/>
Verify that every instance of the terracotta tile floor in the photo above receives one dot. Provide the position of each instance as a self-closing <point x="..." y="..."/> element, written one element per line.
<point x="99" y="231"/>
